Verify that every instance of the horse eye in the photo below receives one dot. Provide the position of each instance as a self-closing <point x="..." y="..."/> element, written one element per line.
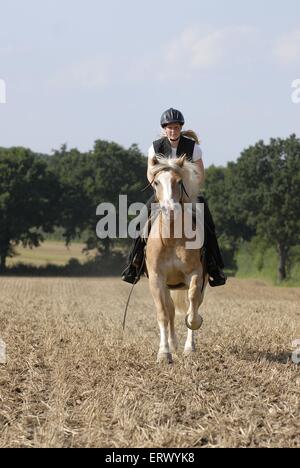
<point x="156" y="184"/>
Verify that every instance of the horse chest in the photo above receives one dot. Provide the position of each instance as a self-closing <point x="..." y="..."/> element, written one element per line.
<point x="174" y="260"/>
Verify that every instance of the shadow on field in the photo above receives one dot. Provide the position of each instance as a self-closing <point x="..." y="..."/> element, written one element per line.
<point x="280" y="358"/>
<point x="99" y="266"/>
<point x="283" y="357"/>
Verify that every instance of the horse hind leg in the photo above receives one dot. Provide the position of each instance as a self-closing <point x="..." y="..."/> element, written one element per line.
<point x="190" y="347"/>
<point x="173" y="342"/>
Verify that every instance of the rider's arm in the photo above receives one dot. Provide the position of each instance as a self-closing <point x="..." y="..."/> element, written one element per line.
<point x="151" y="153"/>
<point x="197" y="159"/>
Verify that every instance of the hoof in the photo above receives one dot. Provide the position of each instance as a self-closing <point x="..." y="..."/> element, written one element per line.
<point x="164" y="358"/>
<point x="194" y="325"/>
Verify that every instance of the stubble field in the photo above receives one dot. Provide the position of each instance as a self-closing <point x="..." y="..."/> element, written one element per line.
<point x="72" y="379"/>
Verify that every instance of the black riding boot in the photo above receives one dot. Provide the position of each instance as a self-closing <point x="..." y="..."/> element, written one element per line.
<point x="213" y="255"/>
<point x="133" y="270"/>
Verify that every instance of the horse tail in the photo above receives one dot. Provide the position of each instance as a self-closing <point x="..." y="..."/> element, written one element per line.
<point x="191" y="134"/>
<point x="180" y="299"/>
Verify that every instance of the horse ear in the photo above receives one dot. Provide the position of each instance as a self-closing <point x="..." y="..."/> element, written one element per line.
<point x="181" y="160"/>
<point x="154" y="161"/>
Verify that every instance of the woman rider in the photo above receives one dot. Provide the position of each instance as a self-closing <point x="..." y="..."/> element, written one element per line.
<point x="175" y="144"/>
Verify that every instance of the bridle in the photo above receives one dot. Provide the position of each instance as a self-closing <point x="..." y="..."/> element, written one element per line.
<point x="182" y="187"/>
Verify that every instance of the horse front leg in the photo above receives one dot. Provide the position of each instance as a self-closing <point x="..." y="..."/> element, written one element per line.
<point x="164" y="305"/>
<point x="193" y="319"/>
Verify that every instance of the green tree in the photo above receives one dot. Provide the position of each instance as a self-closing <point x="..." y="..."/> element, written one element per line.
<point x="231" y="229"/>
<point x="118" y="171"/>
<point x="88" y="179"/>
<point x="28" y="200"/>
<point x="74" y="171"/>
<point x="267" y="196"/>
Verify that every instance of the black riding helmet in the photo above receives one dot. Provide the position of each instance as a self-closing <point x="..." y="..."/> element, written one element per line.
<point x="171" y="116"/>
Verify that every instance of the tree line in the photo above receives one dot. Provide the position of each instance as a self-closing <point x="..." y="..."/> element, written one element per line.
<point x="256" y="196"/>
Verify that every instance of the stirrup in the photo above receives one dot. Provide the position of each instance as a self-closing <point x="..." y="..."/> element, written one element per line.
<point x="217" y="280"/>
<point x="130" y="275"/>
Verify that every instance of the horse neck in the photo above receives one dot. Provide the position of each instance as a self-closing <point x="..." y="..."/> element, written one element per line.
<point x="166" y="231"/>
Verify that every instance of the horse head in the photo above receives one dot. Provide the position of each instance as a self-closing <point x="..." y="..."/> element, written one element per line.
<point x="175" y="182"/>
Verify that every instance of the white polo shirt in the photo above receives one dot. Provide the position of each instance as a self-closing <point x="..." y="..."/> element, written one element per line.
<point x="197" y="154"/>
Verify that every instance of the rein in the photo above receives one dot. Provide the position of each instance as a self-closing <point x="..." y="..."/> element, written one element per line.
<point x="127" y="303"/>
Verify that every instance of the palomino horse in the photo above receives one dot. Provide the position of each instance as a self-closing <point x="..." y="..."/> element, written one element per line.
<point x="177" y="276"/>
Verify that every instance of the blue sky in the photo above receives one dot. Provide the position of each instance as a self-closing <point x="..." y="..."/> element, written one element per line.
<point x="76" y="71"/>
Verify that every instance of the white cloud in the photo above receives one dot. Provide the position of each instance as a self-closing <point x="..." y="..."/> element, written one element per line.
<point x="287" y="48"/>
<point x="195" y="50"/>
<point x="85" y="74"/>
<point x="205" y="51"/>
<point x="192" y="51"/>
